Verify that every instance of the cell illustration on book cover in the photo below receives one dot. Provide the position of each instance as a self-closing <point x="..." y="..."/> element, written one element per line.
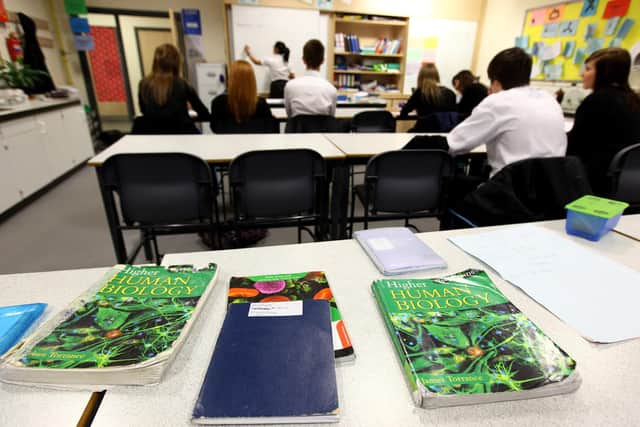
<point x="293" y="287"/>
<point x="460" y="335"/>
<point x="136" y="315"/>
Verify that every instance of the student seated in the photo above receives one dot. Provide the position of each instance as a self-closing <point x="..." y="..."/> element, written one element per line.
<point x="278" y="66"/>
<point x="515" y="121"/>
<point x="163" y="96"/>
<point x="429" y="97"/>
<point x="240" y="110"/>
<point x="472" y="91"/>
<point x="311" y="94"/>
<point x="608" y="119"/>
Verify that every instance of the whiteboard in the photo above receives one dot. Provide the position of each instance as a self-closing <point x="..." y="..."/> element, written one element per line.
<point x="449" y="43"/>
<point x="261" y="27"/>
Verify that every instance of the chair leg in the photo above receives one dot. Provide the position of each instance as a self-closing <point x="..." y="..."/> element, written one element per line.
<point x="366" y="208"/>
<point x="353" y="211"/>
<point x="299" y="231"/>
<point x="154" y="240"/>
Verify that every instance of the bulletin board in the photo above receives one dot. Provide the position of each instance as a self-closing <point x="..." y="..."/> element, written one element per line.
<point x="562" y="35"/>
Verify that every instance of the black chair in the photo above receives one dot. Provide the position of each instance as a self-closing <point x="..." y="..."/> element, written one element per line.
<point x="373" y="121"/>
<point x="403" y="184"/>
<point x="279" y="188"/>
<point x="162" y="193"/>
<point x="624" y="172"/>
<point x="144" y="125"/>
<point x="437" y="122"/>
<point x="312" y="124"/>
<point x="535" y="189"/>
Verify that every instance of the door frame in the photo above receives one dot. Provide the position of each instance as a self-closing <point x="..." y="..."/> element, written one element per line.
<point x="84" y="57"/>
<point x="137" y="31"/>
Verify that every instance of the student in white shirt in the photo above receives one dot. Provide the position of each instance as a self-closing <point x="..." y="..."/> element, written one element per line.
<point x="278" y="65"/>
<point x="515" y="121"/>
<point x="311" y="94"/>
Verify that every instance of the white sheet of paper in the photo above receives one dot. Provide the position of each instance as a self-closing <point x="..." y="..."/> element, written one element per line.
<point x="550" y="51"/>
<point x="593" y="294"/>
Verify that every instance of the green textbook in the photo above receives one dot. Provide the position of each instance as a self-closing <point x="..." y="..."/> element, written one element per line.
<point x="460" y="341"/>
<point x="292" y="287"/>
<point x="124" y="330"/>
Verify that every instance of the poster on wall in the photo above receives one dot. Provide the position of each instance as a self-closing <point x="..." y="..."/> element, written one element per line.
<point x="83" y="43"/>
<point x="192" y="29"/>
<point x="75" y="7"/>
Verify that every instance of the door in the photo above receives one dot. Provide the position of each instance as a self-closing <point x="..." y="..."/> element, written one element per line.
<point x="148" y="39"/>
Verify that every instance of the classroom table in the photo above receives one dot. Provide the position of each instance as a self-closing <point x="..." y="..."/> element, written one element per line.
<point x="221" y="150"/>
<point x="342" y="112"/>
<point x="372" y="389"/>
<point x="31" y="406"/>
<point x="629" y="226"/>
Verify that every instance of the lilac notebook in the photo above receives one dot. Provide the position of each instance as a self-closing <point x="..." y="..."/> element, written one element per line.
<point x="396" y="250"/>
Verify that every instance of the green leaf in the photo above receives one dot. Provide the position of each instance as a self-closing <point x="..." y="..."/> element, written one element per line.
<point x="449" y="335"/>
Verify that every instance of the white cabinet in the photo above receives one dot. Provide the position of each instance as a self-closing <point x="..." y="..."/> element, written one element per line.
<point x="38" y="148"/>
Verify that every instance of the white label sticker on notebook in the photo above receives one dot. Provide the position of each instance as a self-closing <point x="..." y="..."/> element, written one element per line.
<point x="380" y="244"/>
<point x="275" y="309"/>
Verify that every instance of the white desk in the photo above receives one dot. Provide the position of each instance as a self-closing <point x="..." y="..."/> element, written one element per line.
<point x="217" y="148"/>
<point x="629" y="225"/>
<point x="29" y="406"/>
<point x="341" y="112"/>
<point x="366" y="145"/>
<point x="372" y="390"/>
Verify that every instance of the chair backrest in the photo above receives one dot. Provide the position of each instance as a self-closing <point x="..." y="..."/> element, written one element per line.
<point x="276" y="183"/>
<point x="408" y="181"/>
<point x="442" y="121"/>
<point x="373" y="121"/>
<point x="254" y="125"/>
<point x="144" y="125"/>
<point x="528" y="190"/>
<point x="161" y="188"/>
<point x="624" y="170"/>
<point x="427" y="142"/>
<point x="311" y="123"/>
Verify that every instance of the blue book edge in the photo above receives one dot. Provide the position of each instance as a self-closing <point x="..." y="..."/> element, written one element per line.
<point x="16" y="321"/>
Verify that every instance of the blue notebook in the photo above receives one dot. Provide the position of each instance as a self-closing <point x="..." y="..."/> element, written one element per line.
<point x="273" y="363"/>
<point x="15" y="321"/>
<point x="396" y="250"/>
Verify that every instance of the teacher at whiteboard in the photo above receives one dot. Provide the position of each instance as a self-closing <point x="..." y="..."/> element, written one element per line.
<point x="278" y="65"/>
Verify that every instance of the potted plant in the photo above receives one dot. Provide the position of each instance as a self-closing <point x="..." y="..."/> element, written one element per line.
<point x="17" y="75"/>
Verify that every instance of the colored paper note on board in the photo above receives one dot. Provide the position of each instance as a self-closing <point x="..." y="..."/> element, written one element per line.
<point x="550" y="29"/>
<point x="79" y="25"/>
<point x="325" y="4"/>
<point x="429" y="56"/>
<point x="537" y="17"/>
<point x="579" y="57"/>
<point x="568" y="28"/>
<point x="536" y="69"/>
<point x="430" y="43"/>
<point x="616" y="8"/>
<point x="593" y="45"/>
<point x="550" y="51"/>
<point x="554" y="13"/>
<point x="612" y="24"/>
<point x="83" y="43"/>
<point x="553" y="71"/>
<point x="625" y="28"/>
<point x="522" y="42"/>
<point x="4" y="16"/>
<point x="414" y="54"/>
<point x="589" y="8"/>
<point x="590" y="31"/>
<point x="568" y="48"/>
<point x="616" y="42"/>
<point x="75" y="7"/>
<point x="537" y="48"/>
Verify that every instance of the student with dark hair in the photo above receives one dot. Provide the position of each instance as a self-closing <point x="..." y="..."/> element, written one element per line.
<point x="239" y="110"/>
<point x="163" y="96"/>
<point x="608" y="119"/>
<point x="515" y="121"/>
<point x="429" y="97"/>
<point x="311" y="94"/>
<point x="472" y="91"/>
<point x="278" y="65"/>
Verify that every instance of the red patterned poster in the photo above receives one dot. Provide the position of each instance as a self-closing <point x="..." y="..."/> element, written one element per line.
<point x="106" y="67"/>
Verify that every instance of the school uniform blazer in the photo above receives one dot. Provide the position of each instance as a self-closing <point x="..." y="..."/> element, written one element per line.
<point x="605" y="123"/>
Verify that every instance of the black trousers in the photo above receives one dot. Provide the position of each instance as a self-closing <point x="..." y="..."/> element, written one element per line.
<point x="276" y="90"/>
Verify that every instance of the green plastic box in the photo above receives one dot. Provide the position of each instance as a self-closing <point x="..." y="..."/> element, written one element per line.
<point x="592" y="217"/>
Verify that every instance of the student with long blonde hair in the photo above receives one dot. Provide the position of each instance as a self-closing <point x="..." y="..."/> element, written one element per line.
<point x="240" y="110"/>
<point x="429" y="97"/>
<point x="164" y="97"/>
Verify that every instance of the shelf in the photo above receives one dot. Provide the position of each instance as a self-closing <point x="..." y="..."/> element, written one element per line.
<point x="369" y="22"/>
<point x="365" y="72"/>
<point x="374" y="55"/>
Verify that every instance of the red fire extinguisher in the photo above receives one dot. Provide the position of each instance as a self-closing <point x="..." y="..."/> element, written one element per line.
<point x="14" y="47"/>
